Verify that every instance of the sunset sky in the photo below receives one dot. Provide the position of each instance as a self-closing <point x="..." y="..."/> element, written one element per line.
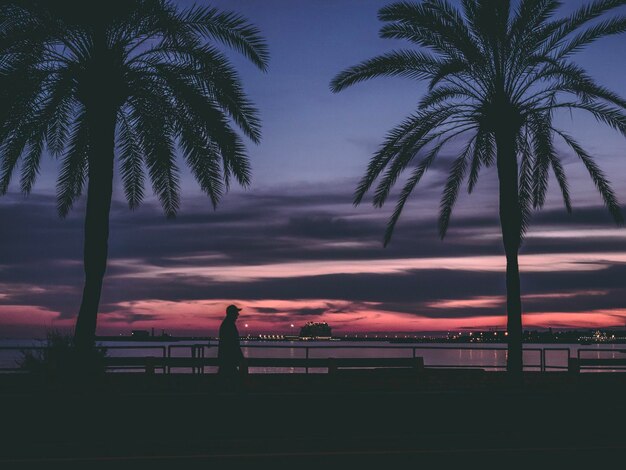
<point x="293" y="248"/>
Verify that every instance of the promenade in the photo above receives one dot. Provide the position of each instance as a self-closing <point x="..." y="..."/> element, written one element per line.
<point x="373" y="418"/>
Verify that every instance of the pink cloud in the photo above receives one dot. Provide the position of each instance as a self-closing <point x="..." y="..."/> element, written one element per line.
<point x="592" y="319"/>
<point x="490" y="301"/>
<point x="30" y="320"/>
<point x="486" y="301"/>
<point x="202" y="317"/>
<point x="559" y="262"/>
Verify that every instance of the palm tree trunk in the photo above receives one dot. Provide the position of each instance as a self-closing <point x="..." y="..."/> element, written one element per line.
<point x="510" y="222"/>
<point x="101" y="121"/>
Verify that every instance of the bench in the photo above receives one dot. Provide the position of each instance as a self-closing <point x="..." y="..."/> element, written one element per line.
<point x="197" y="364"/>
<point x="575" y="364"/>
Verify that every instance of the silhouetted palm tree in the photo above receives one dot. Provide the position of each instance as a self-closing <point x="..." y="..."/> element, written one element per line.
<point x="81" y="78"/>
<point x="496" y="76"/>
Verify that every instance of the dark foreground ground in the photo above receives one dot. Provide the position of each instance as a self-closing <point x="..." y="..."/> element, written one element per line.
<point x="376" y="419"/>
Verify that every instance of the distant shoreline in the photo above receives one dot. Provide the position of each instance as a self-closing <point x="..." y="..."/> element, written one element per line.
<point x="441" y="340"/>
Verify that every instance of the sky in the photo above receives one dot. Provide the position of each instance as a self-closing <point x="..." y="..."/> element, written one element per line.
<point x="292" y="248"/>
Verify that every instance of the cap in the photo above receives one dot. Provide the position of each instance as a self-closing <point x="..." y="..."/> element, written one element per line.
<point x="232" y="309"/>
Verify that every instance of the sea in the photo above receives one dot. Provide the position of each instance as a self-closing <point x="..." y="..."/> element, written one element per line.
<point x="488" y="356"/>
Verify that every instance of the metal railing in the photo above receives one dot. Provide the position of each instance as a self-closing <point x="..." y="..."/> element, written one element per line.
<point x="307" y="351"/>
<point x="613" y="362"/>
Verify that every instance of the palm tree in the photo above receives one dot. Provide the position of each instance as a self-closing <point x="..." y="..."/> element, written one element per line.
<point x="83" y="79"/>
<point x="496" y="77"/>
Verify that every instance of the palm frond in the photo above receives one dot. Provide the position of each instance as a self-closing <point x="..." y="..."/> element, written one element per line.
<point x="204" y="160"/>
<point x="164" y="173"/>
<point x="544" y="155"/>
<point x="415" y="178"/>
<point x="10" y="152"/>
<point x="197" y="111"/>
<point x="157" y="141"/>
<point x="453" y="184"/>
<point x="31" y="163"/>
<point x="559" y="173"/>
<point x="405" y="155"/>
<point x="483" y="155"/>
<point x="435" y="24"/>
<point x="570" y="78"/>
<point x="599" y="179"/>
<point x="213" y="76"/>
<point x="401" y="63"/>
<point x="58" y="128"/>
<point x="173" y="82"/>
<point x="452" y="67"/>
<point x="582" y="16"/>
<point x="131" y="158"/>
<point x="610" y="115"/>
<point x="406" y="139"/>
<point x="74" y="166"/>
<point x="606" y="28"/>
<point x="443" y="93"/>
<point x="231" y="29"/>
<point x="525" y="185"/>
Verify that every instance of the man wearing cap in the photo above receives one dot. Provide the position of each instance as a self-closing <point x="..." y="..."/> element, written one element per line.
<point x="229" y="352"/>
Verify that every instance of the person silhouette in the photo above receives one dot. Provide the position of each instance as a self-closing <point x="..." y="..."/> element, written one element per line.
<point x="229" y="353"/>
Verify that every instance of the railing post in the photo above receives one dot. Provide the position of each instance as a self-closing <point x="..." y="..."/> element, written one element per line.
<point x="573" y="365"/>
<point x="197" y="352"/>
<point x="307" y="360"/>
<point x="418" y="364"/>
<point x="332" y="366"/>
<point x="244" y="368"/>
<point x="150" y="365"/>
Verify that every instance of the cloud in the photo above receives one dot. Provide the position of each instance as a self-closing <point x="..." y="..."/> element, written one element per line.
<point x="311" y="247"/>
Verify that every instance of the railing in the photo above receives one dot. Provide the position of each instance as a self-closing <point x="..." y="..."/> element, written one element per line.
<point x="197" y="358"/>
<point x="18" y="349"/>
<point x="615" y="362"/>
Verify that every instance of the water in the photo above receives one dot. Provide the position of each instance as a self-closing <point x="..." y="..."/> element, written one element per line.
<point x="487" y="356"/>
